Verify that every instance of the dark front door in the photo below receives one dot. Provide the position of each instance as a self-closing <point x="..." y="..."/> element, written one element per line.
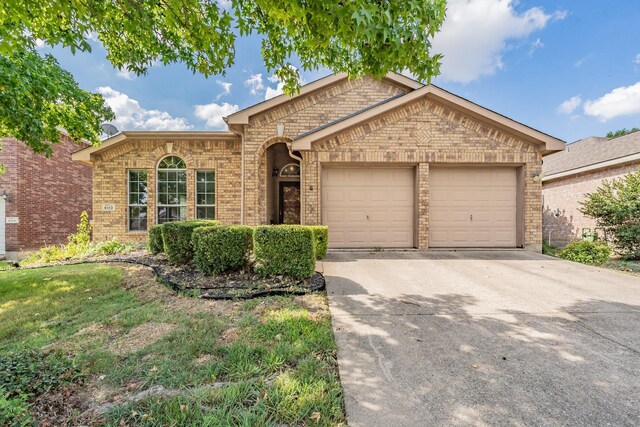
<point x="289" y="203"/>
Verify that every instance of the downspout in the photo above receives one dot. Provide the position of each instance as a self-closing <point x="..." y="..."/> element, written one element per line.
<point x="293" y="156"/>
<point x="242" y="178"/>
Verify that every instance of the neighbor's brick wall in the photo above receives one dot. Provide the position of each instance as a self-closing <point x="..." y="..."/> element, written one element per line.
<point x="110" y="178"/>
<point x="46" y="194"/>
<point x="422" y="133"/>
<point x="566" y="194"/>
<point x="301" y="115"/>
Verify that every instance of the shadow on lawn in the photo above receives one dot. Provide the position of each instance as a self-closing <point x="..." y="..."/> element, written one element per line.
<point x="414" y="360"/>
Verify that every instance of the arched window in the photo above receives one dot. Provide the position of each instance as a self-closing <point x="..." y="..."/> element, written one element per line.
<point x="172" y="190"/>
<point x="290" y="170"/>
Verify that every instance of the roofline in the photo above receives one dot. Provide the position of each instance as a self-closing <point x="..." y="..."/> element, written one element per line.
<point x="593" y="166"/>
<point x="242" y="117"/>
<point x="85" y="154"/>
<point x="551" y="143"/>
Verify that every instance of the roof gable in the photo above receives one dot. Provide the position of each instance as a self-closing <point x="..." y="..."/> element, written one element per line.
<point x="551" y="144"/>
<point x="242" y="117"/>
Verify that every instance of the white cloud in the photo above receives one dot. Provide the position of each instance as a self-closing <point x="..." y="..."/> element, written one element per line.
<point x="637" y="59"/>
<point x="475" y="34"/>
<point x="535" y="46"/>
<point x="213" y="113"/>
<point x="131" y="116"/>
<point x="126" y="74"/>
<point x="570" y="105"/>
<point x="278" y="90"/>
<point x="40" y="44"/>
<point x="226" y="88"/>
<point x="622" y="101"/>
<point x="226" y="4"/>
<point x="255" y="84"/>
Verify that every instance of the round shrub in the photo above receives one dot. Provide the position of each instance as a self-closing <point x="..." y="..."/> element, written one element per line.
<point x="284" y="249"/>
<point x="176" y="237"/>
<point x="222" y="248"/>
<point x="156" y="245"/>
<point x="586" y="252"/>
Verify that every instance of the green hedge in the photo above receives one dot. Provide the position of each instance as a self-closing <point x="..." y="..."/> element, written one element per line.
<point x="177" y="239"/>
<point x="223" y="248"/>
<point x="156" y="245"/>
<point x="586" y="252"/>
<point x="320" y="238"/>
<point x="284" y="249"/>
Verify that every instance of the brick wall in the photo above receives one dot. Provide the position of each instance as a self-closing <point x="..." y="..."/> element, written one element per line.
<point x="565" y="195"/>
<point x="46" y="194"/>
<point x="110" y="178"/>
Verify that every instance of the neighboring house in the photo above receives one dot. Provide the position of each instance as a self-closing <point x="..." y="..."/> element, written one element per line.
<point x="385" y="163"/>
<point x="580" y="169"/>
<point x="42" y="198"/>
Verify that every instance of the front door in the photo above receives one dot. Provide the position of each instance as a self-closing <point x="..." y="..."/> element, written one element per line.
<point x="289" y="203"/>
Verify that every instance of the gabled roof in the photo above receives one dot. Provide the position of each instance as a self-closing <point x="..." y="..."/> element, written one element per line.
<point x="242" y="117"/>
<point x="592" y="153"/>
<point x="551" y="144"/>
<point x="84" y="155"/>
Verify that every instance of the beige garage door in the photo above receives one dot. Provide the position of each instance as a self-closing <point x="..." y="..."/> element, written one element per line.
<point x="368" y="207"/>
<point x="472" y="207"/>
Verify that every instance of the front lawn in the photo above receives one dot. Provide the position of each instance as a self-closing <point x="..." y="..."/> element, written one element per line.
<point x="141" y="355"/>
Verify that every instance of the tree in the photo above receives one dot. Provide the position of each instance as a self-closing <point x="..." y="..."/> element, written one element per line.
<point x="615" y="206"/>
<point x="621" y="132"/>
<point x="356" y="36"/>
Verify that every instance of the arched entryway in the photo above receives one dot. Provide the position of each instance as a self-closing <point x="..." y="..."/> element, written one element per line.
<point x="283" y="186"/>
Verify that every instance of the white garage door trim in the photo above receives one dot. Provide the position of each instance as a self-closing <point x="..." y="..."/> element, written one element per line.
<point x="473" y="207"/>
<point x="368" y="206"/>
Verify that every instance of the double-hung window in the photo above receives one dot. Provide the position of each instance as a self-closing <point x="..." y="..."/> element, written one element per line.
<point x="205" y="194"/>
<point x="172" y="190"/>
<point x="137" y="200"/>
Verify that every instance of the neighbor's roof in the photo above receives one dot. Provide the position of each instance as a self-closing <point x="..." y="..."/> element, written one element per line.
<point x="591" y="153"/>
<point x="551" y="144"/>
<point x="84" y="155"/>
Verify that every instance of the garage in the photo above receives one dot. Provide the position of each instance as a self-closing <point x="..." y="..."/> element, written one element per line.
<point x="472" y="207"/>
<point x="368" y="207"/>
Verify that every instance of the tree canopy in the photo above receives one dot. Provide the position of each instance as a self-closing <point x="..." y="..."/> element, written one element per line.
<point x="357" y="37"/>
<point x="621" y="132"/>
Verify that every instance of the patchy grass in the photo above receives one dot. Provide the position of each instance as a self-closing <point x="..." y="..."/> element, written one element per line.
<point x="265" y="361"/>
<point x="631" y="267"/>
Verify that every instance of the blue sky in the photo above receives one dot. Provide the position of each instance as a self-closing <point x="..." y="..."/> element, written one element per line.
<point x="570" y="68"/>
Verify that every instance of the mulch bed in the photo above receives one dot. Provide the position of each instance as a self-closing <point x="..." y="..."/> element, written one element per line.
<point x="186" y="279"/>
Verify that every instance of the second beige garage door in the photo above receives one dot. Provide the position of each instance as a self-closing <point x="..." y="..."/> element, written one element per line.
<point x="472" y="207"/>
<point x="367" y="207"/>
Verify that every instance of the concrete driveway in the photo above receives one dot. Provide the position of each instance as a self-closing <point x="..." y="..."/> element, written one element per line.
<point x="484" y="338"/>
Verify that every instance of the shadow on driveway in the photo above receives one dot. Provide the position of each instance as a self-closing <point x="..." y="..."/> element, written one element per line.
<point x="477" y="355"/>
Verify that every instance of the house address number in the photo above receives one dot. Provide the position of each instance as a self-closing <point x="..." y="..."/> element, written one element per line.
<point x="12" y="220"/>
<point x="108" y="207"/>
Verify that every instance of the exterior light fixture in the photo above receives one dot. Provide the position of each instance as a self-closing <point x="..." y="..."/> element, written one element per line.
<point x="4" y="195"/>
<point x="274" y="172"/>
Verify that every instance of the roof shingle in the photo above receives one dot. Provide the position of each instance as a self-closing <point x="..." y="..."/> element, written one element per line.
<point x="590" y="151"/>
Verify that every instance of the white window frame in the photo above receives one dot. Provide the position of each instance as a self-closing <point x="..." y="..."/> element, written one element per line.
<point x="186" y="192"/>
<point x="136" y="205"/>
<point x="215" y="193"/>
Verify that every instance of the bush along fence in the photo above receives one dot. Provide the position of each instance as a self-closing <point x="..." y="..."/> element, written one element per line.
<point x="214" y="248"/>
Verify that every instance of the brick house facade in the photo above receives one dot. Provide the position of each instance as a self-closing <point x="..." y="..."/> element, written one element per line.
<point x="279" y="159"/>
<point x="44" y="196"/>
<point x="571" y="174"/>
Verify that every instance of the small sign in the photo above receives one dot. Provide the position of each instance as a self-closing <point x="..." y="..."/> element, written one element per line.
<point x="108" y="207"/>
<point x="12" y="220"/>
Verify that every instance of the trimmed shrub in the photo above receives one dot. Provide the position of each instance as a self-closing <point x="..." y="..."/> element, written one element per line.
<point x="223" y="248"/>
<point x="284" y="249"/>
<point x="586" y="252"/>
<point x="176" y="238"/>
<point x="320" y="238"/>
<point x="156" y="245"/>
